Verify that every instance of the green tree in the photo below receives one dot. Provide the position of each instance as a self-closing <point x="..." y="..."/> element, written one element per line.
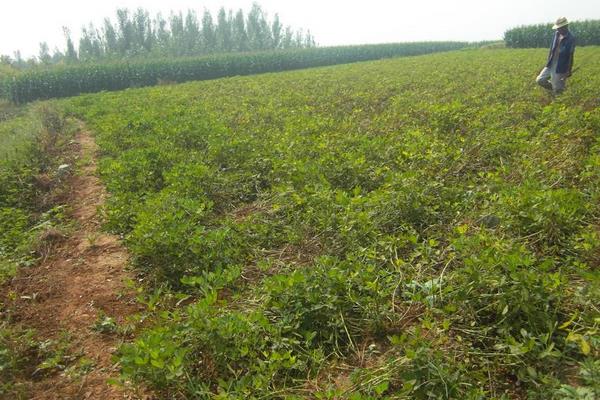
<point x="224" y="30"/>
<point x="192" y="34"/>
<point x="287" y="41"/>
<point x="309" y="40"/>
<point x="299" y="39"/>
<point x="178" y="34"/>
<point x="71" y="53"/>
<point x="259" y="33"/>
<point x="208" y="32"/>
<point x="162" y="35"/>
<point x="125" y="32"/>
<point x="142" y="31"/>
<point x="137" y="33"/>
<point x="276" y="32"/>
<point x="57" y="56"/>
<point x="240" y="37"/>
<point x="90" y="44"/>
<point x="109" y="34"/>
<point x="44" y="54"/>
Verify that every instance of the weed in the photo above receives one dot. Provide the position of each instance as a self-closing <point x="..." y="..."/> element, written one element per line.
<point x="105" y="324"/>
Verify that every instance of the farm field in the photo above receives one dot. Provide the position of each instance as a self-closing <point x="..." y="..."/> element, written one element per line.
<point x="71" y="80"/>
<point x="414" y="228"/>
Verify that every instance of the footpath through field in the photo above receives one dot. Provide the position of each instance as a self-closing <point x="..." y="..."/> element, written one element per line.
<point x="80" y="281"/>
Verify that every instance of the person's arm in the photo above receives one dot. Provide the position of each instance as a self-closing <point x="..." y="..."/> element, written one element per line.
<point x="571" y="57"/>
<point x="552" y="47"/>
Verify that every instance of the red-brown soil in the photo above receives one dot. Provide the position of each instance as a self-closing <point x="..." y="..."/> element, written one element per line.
<point x="82" y="277"/>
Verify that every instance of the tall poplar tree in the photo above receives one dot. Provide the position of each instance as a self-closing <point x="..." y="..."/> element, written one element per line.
<point x="163" y="36"/>
<point x="111" y="46"/>
<point x="136" y="33"/>
<point x="71" y="53"/>
<point x="208" y="33"/>
<point x="143" y="36"/>
<point x="125" y="32"/>
<point x="224" y="31"/>
<point x="276" y="29"/>
<point x="44" y="54"/>
<point x="257" y="29"/>
<point x="192" y="34"/>
<point x="240" y="37"/>
<point x="287" y="41"/>
<point x="177" y="41"/>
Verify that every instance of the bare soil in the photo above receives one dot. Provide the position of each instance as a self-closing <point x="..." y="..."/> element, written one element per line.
<point x="82" y="278"/>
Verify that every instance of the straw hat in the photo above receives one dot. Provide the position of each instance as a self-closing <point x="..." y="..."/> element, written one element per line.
<point x="562" y="21"/>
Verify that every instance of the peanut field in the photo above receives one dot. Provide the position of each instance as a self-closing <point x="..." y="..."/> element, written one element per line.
<point x="413" y="228"/>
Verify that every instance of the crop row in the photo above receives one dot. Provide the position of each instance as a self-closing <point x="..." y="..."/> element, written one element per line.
<point x="73" y="80"/>
<point x="395" y="229"/>
<point x="587" y="33"/>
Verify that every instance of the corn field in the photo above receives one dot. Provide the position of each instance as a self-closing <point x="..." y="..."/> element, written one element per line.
<point x="90" y="78"/>
<point x="587" y="33"/>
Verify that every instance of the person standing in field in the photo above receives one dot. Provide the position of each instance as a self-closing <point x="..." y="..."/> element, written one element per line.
<point x="560" y="60"/>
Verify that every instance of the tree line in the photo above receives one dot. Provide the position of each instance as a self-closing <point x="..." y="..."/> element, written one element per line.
<point x="137" y="34"/>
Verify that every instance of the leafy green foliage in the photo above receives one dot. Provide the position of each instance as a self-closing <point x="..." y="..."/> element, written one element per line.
<point x="138" y="34"/>
<point x="394" y="229"/>
<point x="30" y="142"/>
<point x="6" y="73"/>
<point x="105" y="324"/>
<point x="15" y="347"/>
<point x="22" y="356"/>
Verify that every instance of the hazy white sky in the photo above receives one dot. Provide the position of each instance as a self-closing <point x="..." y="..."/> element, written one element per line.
<point x="25" y="23"/>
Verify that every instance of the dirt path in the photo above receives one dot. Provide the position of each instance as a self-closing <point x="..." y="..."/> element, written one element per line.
<point x="83" y="277"/>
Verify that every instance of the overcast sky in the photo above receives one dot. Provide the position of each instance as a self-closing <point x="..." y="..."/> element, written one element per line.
<point x="25" y="23"/>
